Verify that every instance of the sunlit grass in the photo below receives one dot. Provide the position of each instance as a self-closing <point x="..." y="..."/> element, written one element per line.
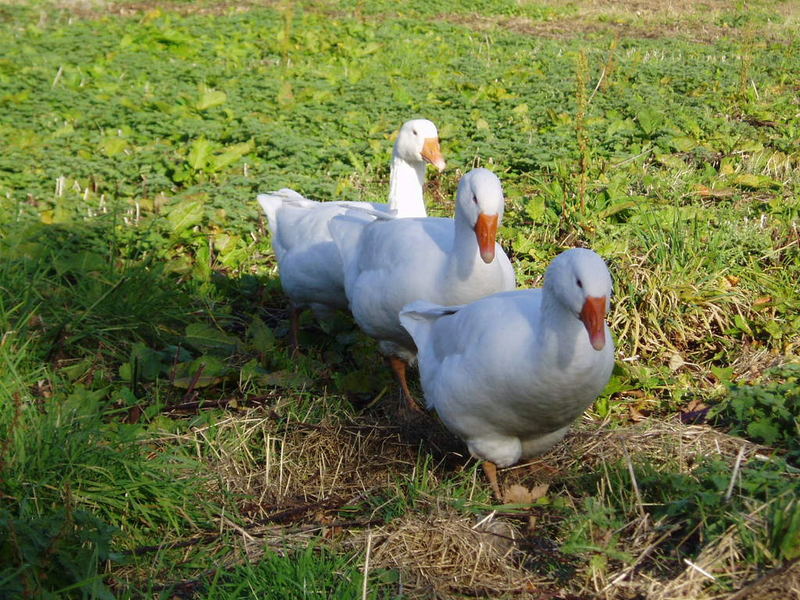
<point x="157" y="436"/>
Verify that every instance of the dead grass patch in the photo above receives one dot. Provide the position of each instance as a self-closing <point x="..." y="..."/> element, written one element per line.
<point x="700" y="309"/>
<point x="446" y="553"/>
<point x="299" y="480"/>
<point x="694" y="20"/>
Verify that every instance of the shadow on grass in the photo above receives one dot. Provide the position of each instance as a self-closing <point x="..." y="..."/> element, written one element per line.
<point x="107" y="351"/>
<point x="97" y="338"/>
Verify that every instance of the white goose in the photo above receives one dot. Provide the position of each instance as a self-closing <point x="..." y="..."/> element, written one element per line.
<point x="510" y="372"/>
<point x="388" y="264"/>
<point x="310" y="267"/>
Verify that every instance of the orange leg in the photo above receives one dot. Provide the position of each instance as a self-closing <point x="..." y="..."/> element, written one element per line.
<point x="491" y="474"/>
<point x="399" y="367"/>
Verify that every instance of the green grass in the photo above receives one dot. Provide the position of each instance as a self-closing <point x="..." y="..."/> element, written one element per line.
<point x="150" y="411"/>
<point x="304" y="574"/>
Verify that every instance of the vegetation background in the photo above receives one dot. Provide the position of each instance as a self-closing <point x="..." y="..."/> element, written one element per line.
<point x="156" y="438"/>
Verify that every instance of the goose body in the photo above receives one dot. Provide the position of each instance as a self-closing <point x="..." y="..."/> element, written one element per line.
<point x="309" y="264"/>
<point x="389" y="263"/>
<point x="510" y="372"/>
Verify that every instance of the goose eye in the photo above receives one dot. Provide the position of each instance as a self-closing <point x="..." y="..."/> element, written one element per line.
<point x="414" y="131"/>
<point x="580" y="283"/>
<point x="474" y="198"/>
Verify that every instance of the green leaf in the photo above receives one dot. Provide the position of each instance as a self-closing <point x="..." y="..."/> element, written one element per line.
<point x="199" y="154"/>
<point x="144" y="362"/>
<point x="617" y="207"/>
<point x="742" y="324"/>
<point x="534" y="208"/>
<point x="650" y="120"/>
<point x="764" y="430"/>
<point x="202" y="372"/>
<point x="284" y="379"/>
<point x="205" y="337"/>
<point x="231" y="154"/>
<point x="671" y="161"/>
<point x="754" y="182"/>
<point x="185" y="214"/>
<point x="112" y="146"/>
<point x="211" y="98"/>
<point x="260" y="335"/>
<point x="201" y="269"/>
<point x="723" y="374"/>
<point x="683" y="143"/>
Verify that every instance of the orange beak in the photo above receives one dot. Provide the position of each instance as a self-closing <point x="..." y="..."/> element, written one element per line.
<point x="593" y="315"/>
<point x="486" y="231"/>
<point x="432" y="153"/>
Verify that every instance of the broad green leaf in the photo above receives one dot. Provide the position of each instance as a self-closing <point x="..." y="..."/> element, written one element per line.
<point x="261" y="336"/>
<point x="113" y="145"/>
<point x="671" y="161"/>
<point x="77" y="370"/>
<point x="206" y="337"/>
<point x="742" y="324"/>
<point x="201" y="270"/>
<point x="211" y="98"/>
<point x="180" y="265"/>
<point x="650" y="120"/>
<point x="723" y="374"/>
<point x="231" y="154"/>
<point x="754" y="182"/>
<point x="185" y="214"/>
<point x="284" y="379"/>
<point x="534" y="208"/>
<point x="683" y="143"/>
<point x="201" y="372"/>
<point x="146" y="362"/>
<point x="764" y="430"/>
<point x="617" y="207"/>
<point x="520" y="109"/>
<point x="199" y="154"/>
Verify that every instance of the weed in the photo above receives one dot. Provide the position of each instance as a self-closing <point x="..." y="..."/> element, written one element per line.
<point x="767" y="413"/>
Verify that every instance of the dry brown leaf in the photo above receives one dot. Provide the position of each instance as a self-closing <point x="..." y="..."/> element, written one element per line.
<point x="676" y="362"/>
<point x="707" y="192"/>
<point x="695" y="404"/>
<point x="519" y="494"/>
<point x="762" y="300"/>
<point x="733" y="279"/>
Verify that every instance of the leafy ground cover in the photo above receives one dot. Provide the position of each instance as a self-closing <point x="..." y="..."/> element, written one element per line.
<point x="156" y="438"/>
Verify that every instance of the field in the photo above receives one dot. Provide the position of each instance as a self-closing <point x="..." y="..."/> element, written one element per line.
<point x="157" y="438"/>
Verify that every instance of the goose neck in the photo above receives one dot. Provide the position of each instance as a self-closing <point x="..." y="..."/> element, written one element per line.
<point x="406" y="181"/>
<point x="465" y="256"/>
<point x="559" y="330"/>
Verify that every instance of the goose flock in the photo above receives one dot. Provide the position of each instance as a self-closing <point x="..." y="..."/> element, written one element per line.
<point x="506" y="370"/>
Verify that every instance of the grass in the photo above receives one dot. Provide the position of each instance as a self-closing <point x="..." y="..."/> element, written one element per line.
<point x="157" y="439"/>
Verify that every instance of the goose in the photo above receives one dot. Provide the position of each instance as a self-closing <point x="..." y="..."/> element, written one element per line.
<point x="510" y="372"/>
<point x="390" y="263"/>
<point x="309" y="265"/>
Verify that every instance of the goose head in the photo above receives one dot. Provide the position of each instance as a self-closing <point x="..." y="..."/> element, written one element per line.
<point x="580" y="281"/>
<point x="418" y="141"/>
<point x="479" y="200"/>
